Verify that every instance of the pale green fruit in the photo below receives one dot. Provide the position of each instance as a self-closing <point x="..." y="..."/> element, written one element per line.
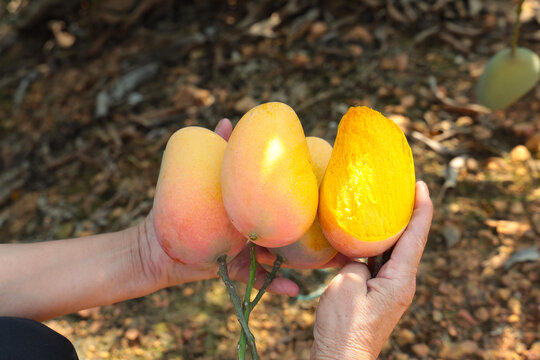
<point x="506" y="78"/>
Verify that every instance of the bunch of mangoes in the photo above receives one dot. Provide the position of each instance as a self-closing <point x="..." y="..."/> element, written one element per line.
<point x="271" y="185"/>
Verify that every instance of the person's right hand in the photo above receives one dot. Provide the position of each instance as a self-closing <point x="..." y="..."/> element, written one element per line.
<point x="357" y="313"/>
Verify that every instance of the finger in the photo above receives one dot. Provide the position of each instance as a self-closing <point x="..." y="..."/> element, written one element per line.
<point x="410" y="246"/>
<point x="264" y="256"/>
<point x="224" y="128"/>
<point x="278" y="286"/>
<point x="339" y="260"/>
<point x="351" y="279"/>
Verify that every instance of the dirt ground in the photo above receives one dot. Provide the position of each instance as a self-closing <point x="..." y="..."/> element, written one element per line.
<point x="90" y="93"/>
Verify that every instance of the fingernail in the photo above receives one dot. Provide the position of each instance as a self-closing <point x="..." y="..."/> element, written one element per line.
<point x="220" y="122"/>
<point x="424" y="186"/>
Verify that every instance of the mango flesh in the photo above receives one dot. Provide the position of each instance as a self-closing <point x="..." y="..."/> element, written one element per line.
<point x="269" y="188"/>
<point x="367" y="194"/>
<point x="312" y="250"/>
<point x="191" y="223"/>
<point x="506" y="78"/>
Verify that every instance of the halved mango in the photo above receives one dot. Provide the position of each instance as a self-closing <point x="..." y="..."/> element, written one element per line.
<point x="367" y="194"/>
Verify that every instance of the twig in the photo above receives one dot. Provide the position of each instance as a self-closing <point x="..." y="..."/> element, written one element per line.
<point x="247" y="299"/>
<point x="517" y="26"/>
<point x="224" y="274"/>
<point x="267" y="281"/>
<point x="375" y="263"/>
<point x="435" y="145"/>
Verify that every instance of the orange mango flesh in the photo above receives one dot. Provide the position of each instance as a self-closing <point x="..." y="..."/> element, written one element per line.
<point x="190" y="220"/>
<point x="312" y="250"/>
<point x="269" y="188"/>
<point x="367" y="194"/>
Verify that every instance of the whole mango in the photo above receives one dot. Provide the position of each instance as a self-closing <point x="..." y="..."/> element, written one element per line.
<point x="507" y="77"/>
<point x="269" y="187"/>
<point x="191" y="223"/>
<point x="312" y="250"/>
<point x="367" y="193"/>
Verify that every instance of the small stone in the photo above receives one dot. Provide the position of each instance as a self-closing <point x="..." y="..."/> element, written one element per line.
<point x="405" y="337"/>
<point x="421" y="350"/>
<point x="408" y="101"/>
<point x="245" y="104"/>
<point x="359" y="33"/>
<point x="65" y="230"/>
<point x="451" y="234"/>
<point x="464" y="348"/>
<point x="520" y="153"/>
<point x="517" y="208"/>
<point x="515" y="306"/>
<point x="533" y="143"/>
<point x="402" y="62"/>
<point x="132" y="334"/>
<point x="403" y="122"/>
<point x="464" y="121"/>
<point x="481" y="132"/>
<point x="482" y="314"/>
<point x="432" y="280"/>
<point x="472" y="165"/>
<point x="534" y="351"/>
<point x="402" y="356"/>
<point x="504" y="294"/>
<point x="300" y="60"/>
<point x="355" y="50"/>
<point x="440" y="263"/>
<point x="464" y="314"/>
<point x="437" y="316"/>
<point x="318" y="29"/>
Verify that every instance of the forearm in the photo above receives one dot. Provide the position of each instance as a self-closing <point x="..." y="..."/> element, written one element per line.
<point x="48" y="279"/>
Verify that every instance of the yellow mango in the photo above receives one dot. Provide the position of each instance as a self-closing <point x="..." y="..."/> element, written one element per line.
<point x="367" y="194"/>
<point x="269" y="188"/>
<point x="312" y="250"/>
<point x="191" y="223"/>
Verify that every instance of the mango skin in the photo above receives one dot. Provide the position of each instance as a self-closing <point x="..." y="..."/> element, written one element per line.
<point x="269" y="188"/>
<point x="312" y="250"/>
<point x="191" y="223"/>
<point x="506" y="78"/>
<point x="367" y="194"/>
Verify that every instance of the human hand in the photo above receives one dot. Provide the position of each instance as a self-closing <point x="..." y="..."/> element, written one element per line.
<point x="159" y="270"/>
<point x="357" y="313"/>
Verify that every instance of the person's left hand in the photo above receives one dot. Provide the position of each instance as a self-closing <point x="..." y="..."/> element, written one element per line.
<point x="160" y="271"/>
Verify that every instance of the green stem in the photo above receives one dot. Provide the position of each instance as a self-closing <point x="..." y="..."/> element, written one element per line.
<point x="517" y="26"/>
<point x="224" y="274"/>
<point x="267" y="282"/>
<point x="247" y="299"/>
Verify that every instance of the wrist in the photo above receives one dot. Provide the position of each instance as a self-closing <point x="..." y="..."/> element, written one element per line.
<point x="342" y="351"/>
<point x="147" y="258"/>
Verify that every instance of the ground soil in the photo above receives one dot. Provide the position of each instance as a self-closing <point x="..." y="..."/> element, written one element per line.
<point x="69" y="169"/>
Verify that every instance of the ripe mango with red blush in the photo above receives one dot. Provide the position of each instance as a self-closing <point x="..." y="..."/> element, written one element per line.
<point x="312" y="250"/>
<point x="269" y="187"/>
<point x="191" y="223"/>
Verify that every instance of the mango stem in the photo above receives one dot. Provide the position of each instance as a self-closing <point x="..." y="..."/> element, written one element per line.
<point x="267" y="281"/>
<point x="375" y="263"/>
<point x="224" y="274"/>
<point x="247" y="299"/>
<point x="517" y="26"/>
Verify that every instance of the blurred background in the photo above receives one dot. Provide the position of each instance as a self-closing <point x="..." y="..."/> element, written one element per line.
<point x="90" y="92"/>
